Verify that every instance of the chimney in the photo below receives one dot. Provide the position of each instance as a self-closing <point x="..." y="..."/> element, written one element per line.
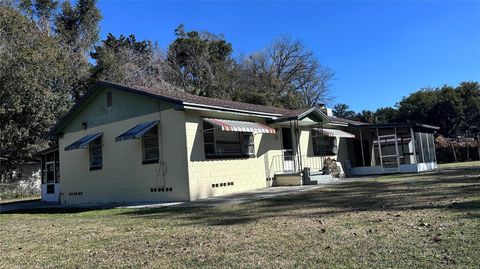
<point x="326" y="110"/>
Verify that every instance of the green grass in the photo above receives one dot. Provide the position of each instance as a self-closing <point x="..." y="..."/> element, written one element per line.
<point x="426" y="220"/>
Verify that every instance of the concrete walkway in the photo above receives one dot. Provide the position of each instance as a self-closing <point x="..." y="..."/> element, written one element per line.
<point x="237" y="198"/>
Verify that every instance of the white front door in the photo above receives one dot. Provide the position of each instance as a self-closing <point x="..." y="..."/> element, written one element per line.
<point x="50" y="189"/>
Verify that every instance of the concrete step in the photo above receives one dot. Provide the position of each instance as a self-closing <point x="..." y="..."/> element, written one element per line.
<point x="322" y="179"/>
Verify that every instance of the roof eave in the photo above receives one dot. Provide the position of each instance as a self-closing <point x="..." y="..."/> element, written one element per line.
<point x="188" y="105"/>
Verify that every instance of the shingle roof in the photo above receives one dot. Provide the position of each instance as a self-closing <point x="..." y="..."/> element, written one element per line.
<point x="175" y="94"/>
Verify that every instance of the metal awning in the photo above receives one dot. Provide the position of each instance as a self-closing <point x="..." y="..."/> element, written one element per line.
<point x="240" y="126"/>
<point x="334" y="133"/>
<point x="83" y="142"/>
<point x="138" y="131"/>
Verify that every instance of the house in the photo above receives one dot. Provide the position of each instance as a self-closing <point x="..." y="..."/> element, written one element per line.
<point x="131" y="144"/>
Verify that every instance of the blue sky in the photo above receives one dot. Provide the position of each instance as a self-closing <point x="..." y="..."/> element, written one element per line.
<point x="380" y="50"/>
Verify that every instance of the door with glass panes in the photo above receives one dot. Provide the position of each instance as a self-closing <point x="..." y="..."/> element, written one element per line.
<point x="50" y="177"/>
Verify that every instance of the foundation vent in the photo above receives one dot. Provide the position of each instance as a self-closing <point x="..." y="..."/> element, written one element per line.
<point x="223" y="184"/>
<point x="163" y="189"/>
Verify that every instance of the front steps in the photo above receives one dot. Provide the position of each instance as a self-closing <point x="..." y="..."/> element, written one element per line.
<point x="305" y="178"/>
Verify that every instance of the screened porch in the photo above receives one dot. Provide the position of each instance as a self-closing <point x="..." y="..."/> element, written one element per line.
<point x="392" y="148"/>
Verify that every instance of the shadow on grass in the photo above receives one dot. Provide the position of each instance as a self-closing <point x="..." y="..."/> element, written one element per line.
<point x="447" y="189"/>
<point x="434" y="191"/>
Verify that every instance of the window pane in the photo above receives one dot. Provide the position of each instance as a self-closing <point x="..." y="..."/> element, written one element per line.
<point x="323" y="145"/>
<point x="227" y="136"/>
<point x="95" y="161"/>
<point x="50" y="157"/>
<point x="50" y="188"/>
<point x="209" y="149"/>
<point x="208" y="137"/>
<point x="151" y="154"/>
<point x="150" y="142"/>
<point x="248" y="149"/>
<point x="228" y="148"/>
<point x="96" y="153"/>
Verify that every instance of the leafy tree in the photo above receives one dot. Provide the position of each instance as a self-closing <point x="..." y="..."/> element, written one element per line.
<point x="40" y="11"/>
<point x="200" y="62"/>
<point x="453" y="109"/>
<point x="343" y="111"/>
<point x="44" y="68"/>
<point x="33" y="87"/>
<point x="128" y="61"/>
<point x="366" y="116"/>
<point x="386" y="115"/>
<point x="76" y="27"/>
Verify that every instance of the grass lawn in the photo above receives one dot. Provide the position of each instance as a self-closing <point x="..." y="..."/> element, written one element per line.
<point x="424" y="220"/>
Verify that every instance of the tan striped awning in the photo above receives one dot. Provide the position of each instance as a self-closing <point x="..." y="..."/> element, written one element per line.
<point x="240" y="126"/>
<point x="334" y="133"/>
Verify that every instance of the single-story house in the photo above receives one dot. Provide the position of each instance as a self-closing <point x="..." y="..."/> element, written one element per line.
<point x="130" y="144"/>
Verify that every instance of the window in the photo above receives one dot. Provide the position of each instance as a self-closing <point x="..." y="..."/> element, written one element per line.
<point x="95" y="150"/>
<point x="150" y="146"/>
<point x="223" y="144"/>
<point x="109" y="99"/>
<point x="323" y="145"/>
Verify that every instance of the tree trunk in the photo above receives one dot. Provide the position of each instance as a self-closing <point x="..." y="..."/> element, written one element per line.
<point x="478" y="146"/>
<point x="468" y="153"/>
<point x="454" y="153"/>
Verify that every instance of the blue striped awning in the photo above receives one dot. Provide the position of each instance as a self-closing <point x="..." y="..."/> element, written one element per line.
<point x="137" y="131"/>
<point x="83" y="142"/>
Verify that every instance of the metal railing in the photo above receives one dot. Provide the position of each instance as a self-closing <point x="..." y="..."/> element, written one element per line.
<point x="278" y="165"/>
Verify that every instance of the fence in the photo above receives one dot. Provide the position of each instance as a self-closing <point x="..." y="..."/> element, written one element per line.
<point x="19" y="189"/>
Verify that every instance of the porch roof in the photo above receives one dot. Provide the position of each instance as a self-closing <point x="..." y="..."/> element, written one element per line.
<point x="392" y="125"/>
<point x="334" y="133"/>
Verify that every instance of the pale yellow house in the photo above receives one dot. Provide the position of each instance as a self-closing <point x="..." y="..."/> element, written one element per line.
<point x="123" y="144"/>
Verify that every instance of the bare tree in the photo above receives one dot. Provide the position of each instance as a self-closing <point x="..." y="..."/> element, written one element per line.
<point x="286" y="70"/>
